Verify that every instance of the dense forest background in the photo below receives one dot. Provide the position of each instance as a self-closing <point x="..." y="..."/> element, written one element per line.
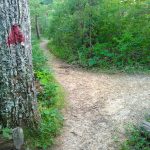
<point x="97" y="33"/>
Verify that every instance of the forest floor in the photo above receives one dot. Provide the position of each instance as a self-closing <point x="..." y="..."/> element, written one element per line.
<point x="99" y="105"/>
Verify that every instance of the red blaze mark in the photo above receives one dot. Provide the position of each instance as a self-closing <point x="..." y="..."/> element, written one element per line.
<point x="15" y="36"/>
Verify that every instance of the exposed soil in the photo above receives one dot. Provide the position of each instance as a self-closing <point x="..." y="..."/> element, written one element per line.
<point x="98" y="105"/>
<point x="6" y="145"/>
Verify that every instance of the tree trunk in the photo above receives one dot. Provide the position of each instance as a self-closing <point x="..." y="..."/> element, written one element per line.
<point x="37" y="27"/>
<point x="18" y="104"/>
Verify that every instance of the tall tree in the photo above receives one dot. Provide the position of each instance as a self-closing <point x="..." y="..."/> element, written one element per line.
<point x="18" y="104"/>
<point x="40" y="10"/>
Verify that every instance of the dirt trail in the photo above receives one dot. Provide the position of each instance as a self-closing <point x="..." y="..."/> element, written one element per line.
<point x="99" y="106"/>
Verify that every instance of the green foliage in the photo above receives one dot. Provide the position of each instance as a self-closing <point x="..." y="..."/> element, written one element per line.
<point x="38" y="58"/>
<point x="102" y="33"/>
<point x="138" y="139"/>
<point x="46" y="2"/>
<point x="6" y="133"/>
<point x="40" y="9"/>
<point x="50" y="101"/>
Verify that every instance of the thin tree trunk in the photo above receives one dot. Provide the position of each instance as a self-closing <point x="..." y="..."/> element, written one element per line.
<point x="18" y="104"/>
<point x="37" y="27"/>
<point x="90" y="25"/>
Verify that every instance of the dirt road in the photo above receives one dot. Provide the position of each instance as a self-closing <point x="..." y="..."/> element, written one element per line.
<point x="99" y="105"/>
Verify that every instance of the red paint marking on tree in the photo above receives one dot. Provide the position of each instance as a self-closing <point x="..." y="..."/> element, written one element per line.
<point x="15" y="36"/>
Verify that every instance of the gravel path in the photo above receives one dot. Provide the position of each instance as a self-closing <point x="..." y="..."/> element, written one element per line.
<point x="98" y="106"/>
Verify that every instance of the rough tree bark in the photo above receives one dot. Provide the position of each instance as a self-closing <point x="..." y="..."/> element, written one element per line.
<point x="18" y="104"/>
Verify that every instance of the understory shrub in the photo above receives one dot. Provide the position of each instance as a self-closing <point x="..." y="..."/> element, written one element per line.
<point x="137" y="138"/>
<point x="102" y="33"/>
<point x="50" y="103"/>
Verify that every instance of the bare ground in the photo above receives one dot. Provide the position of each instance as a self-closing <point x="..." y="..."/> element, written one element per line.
<point x="98" y="106"/>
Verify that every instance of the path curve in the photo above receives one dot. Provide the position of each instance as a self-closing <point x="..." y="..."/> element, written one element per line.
<point x="99" y="105"/>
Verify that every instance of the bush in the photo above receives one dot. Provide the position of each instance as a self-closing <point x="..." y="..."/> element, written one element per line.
<point x="50" y="102"/>
<point x="138" y="139"/>
<point x="102" y="33"/>
<point x="38" y="58"/>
